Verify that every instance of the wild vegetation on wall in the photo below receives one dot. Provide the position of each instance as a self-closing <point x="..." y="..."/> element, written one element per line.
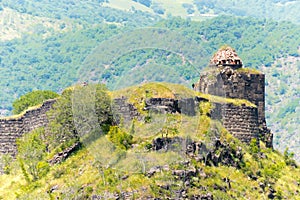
<point x="128" y="161"/>
<point x="32" y="99"/>
<point x="66" y="118"/>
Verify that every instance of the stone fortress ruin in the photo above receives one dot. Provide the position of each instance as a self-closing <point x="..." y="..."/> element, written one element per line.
<point x="228" y="78"/>
<point x="225" y="77"/>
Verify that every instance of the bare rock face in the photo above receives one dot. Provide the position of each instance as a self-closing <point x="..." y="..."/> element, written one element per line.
<point x="61" y="156"/>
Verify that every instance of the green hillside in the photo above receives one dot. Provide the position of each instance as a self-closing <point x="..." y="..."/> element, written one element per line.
<point x="121" y="161"/>
<point x="52" y="45"/>
<point x="282" y="10"/>
<point x="77" y="11"/>
<point x="118" y="10"/>
<point x="15" y="24"/>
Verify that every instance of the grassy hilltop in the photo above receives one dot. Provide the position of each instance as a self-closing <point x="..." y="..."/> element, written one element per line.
<point x="124" y="160"/>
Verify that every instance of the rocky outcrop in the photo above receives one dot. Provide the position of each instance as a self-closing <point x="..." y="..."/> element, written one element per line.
<point x="61" y="156"/>
<point x="218" y="153"/>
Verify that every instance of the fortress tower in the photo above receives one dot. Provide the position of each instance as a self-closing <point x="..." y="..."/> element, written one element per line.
<point x="227" y="77"/>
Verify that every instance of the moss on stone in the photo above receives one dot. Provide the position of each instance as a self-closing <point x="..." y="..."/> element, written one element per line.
<point x="218" y="99"/>
<point x="18" y="116"/>
<point x="138" y="94"/>
<point x="248" y="70"/>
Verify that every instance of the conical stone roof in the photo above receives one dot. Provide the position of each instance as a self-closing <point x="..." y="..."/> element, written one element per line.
<point x="226" y="56"/>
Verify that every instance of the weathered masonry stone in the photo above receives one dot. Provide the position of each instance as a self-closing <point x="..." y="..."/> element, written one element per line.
<point x="230" y="83"/>
<point x="11" y="129"/>
<point x="241" y="121"/>
<point x="234" y="84"/>
<point x="125" y="110"/>
<point x="227" y="78"/>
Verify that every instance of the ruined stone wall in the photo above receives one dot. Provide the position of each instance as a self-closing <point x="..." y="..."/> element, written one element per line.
<point x="13" y="128"/>
<point x="125" y="110"/>
<point x="241" y="121"/>
<point x="122" y="109"/>
<point x="231" y="83"/>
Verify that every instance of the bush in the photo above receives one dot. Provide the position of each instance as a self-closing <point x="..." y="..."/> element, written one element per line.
<point x="32" y="99"/>
<point x="79" y="113"/>
<point x="120" y="138"/>
<point x="31" y="154"/>
<point x="58" y="173"/>
<point x="253" y="146"/>
<point x="288" y="158"/>
<point x="6" y="161"/>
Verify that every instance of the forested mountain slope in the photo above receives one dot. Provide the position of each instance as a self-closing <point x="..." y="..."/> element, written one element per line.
<point x="119" y="10"/>
<point x="52" y="63"/>
<point x="15" y="24"/>
<point x="283" y="104"/>
<point x="90" y="12"/>
<point x="282" y="10"/>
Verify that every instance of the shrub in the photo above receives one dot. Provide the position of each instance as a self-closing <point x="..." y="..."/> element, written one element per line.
<point x="171" y="126"/>
<point x="288" y="158"/>
<point x="32" y="99"/>
<point x="80" y="113"/>
<point x="58" y="173"/>
<point x="254" y="146"/>
<point x="31" y="154"/>
<point x="6" y="161"/>
<point x="120" y="138"/>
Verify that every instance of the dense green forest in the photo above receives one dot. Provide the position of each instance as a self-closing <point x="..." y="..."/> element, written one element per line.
<point x="51" y="64"/>
<point x="282" y="102"/>
<point x="77" y="11"/>
<point x="285" y="10"/>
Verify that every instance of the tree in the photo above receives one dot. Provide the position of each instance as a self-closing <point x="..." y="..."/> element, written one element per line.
<point x="32" y="99"/>
<point x="81" y="113"/>
<point x="31" y="154"/>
